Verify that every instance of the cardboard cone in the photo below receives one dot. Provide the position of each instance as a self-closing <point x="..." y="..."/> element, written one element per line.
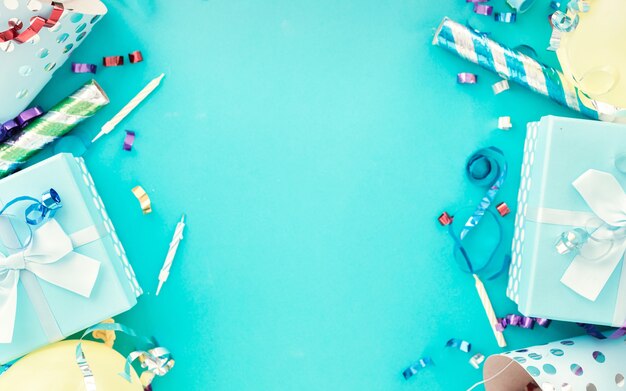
<point x="579" y="364"/>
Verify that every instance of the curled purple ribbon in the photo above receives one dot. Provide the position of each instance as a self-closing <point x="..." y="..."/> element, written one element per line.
<point x="524" y="322"/>
<point x="28" y="115"/>
<point x="13" y="126"/>
<point x="594" y="332"/>
<point x="129" y="139"/>
<point x="80" y="67"/>
<point x="482" y="9"/>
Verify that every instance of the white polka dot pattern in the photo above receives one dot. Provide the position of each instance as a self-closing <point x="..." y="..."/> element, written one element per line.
<point x="515" y="272"/>
<point x="27" y="67"/>
<point x="577" y="364"/>
<point x="119" y="249"/>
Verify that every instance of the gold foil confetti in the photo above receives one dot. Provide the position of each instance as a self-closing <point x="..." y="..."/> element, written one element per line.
<point x="144" y="200"/>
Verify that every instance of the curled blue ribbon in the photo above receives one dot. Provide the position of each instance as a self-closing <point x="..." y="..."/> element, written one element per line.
<point x="416" y="367"/>
<point x="486" y="167"/>
<point x="39" y="209"/>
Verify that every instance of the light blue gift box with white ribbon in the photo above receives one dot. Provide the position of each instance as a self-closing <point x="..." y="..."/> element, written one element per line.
<point x="73" y="274"/>
<point x="569" y="184"/>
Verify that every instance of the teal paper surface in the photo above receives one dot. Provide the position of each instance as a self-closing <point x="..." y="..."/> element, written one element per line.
<point x="312" y="145"/>
<point x="113" y="292"/>
<point x="564" y="149"/>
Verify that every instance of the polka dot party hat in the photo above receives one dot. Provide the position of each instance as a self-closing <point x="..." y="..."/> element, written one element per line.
<point x="579" y="364"/>
<point x="36" y="37"/>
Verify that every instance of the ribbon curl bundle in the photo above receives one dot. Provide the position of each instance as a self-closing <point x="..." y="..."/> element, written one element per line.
<point x="487" y="167"/>
<point x="155" y="360"/>
<point x="515" y="66"/>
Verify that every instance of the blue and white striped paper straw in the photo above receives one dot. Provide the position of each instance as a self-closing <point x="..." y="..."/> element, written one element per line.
<point x="510" y="64"/>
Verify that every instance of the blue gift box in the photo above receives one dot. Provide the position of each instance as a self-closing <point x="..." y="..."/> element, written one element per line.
<point x="46" y="311"/>
<point x="554" y="213"/>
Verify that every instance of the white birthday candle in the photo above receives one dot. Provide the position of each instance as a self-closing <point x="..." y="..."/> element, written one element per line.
<point x="491" y="315"/>
<point x="169" y="259"/>
<point x="130" y="106"/>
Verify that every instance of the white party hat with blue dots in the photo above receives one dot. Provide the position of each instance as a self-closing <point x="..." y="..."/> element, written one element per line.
<point x="579" y="364"/>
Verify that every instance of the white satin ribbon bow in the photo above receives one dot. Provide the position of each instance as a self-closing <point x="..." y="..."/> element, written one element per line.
<point x="50" y="256"/>
<point x="605" y="197"/>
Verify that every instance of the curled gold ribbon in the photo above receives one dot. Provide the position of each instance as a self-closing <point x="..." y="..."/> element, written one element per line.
<point x="144" y="200"/>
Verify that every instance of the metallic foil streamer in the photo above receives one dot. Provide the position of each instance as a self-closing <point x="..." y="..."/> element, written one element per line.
<point x="135" y="57"/>
<point x="113" y="61"/>
<point x="416" y="367"/>
<point x="555" y="40"/>
<point x="512" y="65"/>
<point x="486" y="167"/>
<point x="476" y="360"/>
<point x="144" y="200"/>
<point x="38" y="209"/>
<point x="460" y="344"/>
<point x="28" y="115"/>
<point x="504" y="123"/>
<point x="36" y="24"/>
<point x="466" y="78"/>
<point x="521" y="321"/>
<point x="81" y="67"/>
<point x="61" y="118"/>
<point x="129" y="139"/>
<point x="500" y="86"/>
<point x="503" y="209"/>
<point x="482" y="9"/>
<point x="564" y="22"/>
<point x="505" y="17"/>
<point x="13" y="126"/>
<point x="155" y="353"/>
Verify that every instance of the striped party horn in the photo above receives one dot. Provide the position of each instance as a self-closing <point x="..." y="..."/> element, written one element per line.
<point x="61" y="118"/>
<point x="518" y="67"/>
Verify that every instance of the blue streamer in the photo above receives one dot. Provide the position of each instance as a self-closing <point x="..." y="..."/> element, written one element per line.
<point x="39" y="209"/>
<point x="460" y="344"/>
<point x="486" y="167"/>
<point x="417" y="366"/>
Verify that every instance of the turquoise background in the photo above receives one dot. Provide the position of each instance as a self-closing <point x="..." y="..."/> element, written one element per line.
<point x="312" y="145"/>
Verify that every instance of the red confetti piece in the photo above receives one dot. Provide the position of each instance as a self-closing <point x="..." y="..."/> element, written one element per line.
<point x="503" y="209"/>
<point x="135" y="57"/>
<point x="36" y="24"/>
<point x="113" y="61"/>
<point x="445" y="219"/>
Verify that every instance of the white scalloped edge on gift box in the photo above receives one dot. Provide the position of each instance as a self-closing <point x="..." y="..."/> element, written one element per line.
<point x="515" y="270"/>
<point x="130" y="273"/>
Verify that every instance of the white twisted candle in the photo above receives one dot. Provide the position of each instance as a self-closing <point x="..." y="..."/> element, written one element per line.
<point x="130" y="106"/>
<point x="491" y="315"/>
<point x="169" y="259"/>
